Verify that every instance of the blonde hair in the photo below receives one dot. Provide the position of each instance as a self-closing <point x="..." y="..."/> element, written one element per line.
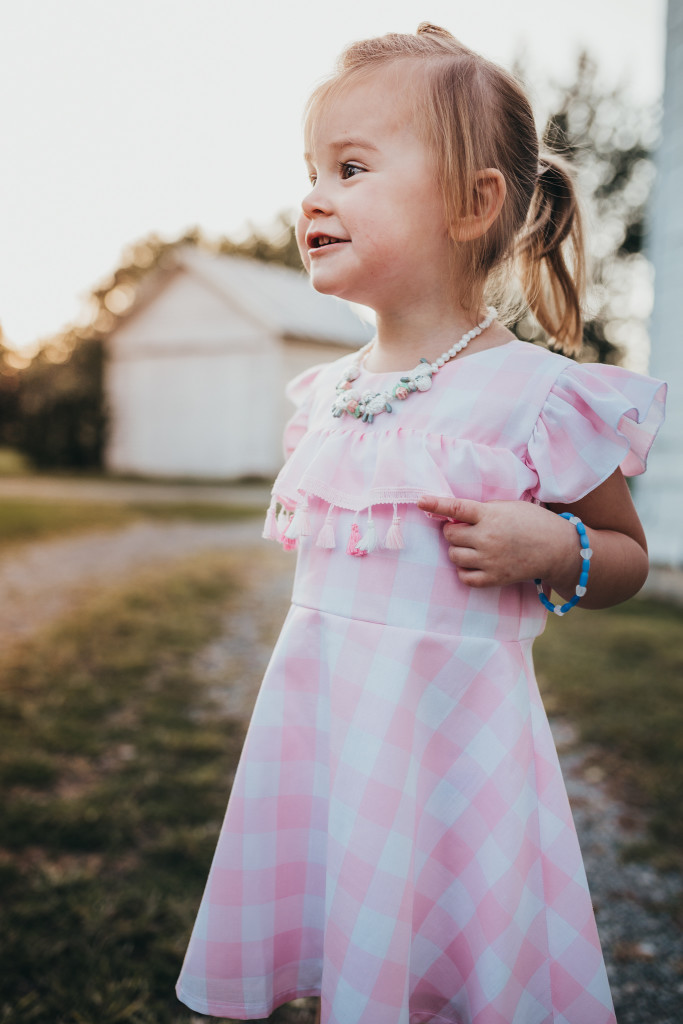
<point x="473" y="115"/>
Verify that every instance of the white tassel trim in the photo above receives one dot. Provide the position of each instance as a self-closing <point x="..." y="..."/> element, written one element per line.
<point x="270" y="527"/>
<point x="300" y="525"/>
<point x="394" y="538"/>
<point x="368" y="541"/>
<point x="326" y="537"/>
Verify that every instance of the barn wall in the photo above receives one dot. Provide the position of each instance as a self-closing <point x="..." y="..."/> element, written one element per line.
<point x="196" y="388"/>
<point x="185" y="315"/>
<point x="205" y="416"/>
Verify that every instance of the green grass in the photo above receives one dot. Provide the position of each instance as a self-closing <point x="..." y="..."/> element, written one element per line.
<point x="13" y="463"/>
<point x="25" y="519"/>
<point x="618" y="675"/>
<point x="116" y="766"/>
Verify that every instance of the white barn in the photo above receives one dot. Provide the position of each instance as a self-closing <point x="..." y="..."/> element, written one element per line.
<point x="195" y="372"/>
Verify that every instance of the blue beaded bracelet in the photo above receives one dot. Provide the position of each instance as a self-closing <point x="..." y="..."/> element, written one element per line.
<point x="586" y="553"/>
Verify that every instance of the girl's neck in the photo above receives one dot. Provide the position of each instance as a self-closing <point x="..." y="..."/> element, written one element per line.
<point x="402" y="340"/>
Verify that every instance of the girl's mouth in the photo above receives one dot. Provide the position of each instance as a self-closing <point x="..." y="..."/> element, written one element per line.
<point x="320" y="241"/>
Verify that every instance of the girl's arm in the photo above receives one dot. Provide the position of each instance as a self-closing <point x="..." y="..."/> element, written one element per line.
<point x="496" y="543"/>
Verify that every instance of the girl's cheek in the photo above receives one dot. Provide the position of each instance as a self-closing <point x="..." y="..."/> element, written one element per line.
<point x="301" y="229"/>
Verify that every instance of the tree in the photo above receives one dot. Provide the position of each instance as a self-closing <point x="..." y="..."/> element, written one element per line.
<point x="610" y="142"/>
<point x="10" y="367"/>
<point x="61" y="408"/>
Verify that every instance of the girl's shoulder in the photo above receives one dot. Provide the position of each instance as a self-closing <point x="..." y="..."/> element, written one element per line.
<point x="302" y="387"/>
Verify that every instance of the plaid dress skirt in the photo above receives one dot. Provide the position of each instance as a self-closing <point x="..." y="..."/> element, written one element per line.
<point x="398" y="839"/>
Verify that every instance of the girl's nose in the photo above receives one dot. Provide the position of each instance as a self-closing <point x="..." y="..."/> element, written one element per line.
<point x="316" y="202"/>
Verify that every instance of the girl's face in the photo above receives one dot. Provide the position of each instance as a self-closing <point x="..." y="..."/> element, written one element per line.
<point x="373" y="229"/>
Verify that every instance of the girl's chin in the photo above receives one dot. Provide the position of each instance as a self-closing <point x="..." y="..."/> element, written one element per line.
<point x="328" y="284"/>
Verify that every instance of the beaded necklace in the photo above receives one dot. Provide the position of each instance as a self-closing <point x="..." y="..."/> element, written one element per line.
<point x="368" y="404"/>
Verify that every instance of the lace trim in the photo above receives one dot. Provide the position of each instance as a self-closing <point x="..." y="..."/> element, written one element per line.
<point x="373" y="496"/>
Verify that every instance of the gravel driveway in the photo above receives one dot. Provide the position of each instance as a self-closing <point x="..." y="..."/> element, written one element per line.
<point x="643" y="944"/>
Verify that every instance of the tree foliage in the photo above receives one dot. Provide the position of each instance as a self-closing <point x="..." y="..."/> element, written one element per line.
<point x="610" y="143"/>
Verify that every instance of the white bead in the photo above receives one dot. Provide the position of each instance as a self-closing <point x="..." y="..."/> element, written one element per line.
<point x="440" y="361"/>
<point x="587" y="553"/>
<point x="573" y="520"/>
<point x="558" y="610"/>
<point x="580" y="591"/>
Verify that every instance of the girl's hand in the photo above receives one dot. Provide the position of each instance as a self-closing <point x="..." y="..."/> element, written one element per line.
<point x="495" y="543"/>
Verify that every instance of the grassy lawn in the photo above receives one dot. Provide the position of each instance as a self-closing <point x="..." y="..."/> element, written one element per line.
<point x="116" y="767"/>
<point x="24" y="519"/>
<point x="618" y="675"/>
<point x="13" y="463"/>
<point x="116" y="763"/>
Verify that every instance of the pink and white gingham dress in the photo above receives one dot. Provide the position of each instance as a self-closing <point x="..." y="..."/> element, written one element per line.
<point x="398" y="838"/>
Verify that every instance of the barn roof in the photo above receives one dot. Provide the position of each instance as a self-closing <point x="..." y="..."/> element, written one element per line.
<point x="278" y="297"/>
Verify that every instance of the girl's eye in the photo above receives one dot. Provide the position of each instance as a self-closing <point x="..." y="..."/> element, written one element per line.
<point x="312" y="178"/>
<point x="349" y="170"/>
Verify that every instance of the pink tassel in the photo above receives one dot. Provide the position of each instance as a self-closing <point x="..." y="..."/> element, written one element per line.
<point x="270" y="528"/>
<point x="289" y="543"/>
<point x="326" y="535"/>
<point x="394" y="538"/>
<point x="352" y="548"/>
<point x="300" y="525"/>
<point x="368" y="541"/>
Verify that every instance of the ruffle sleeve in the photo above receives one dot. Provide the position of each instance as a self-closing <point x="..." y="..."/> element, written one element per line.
<point x="299" y="391"/>
<point x="595" y="419"/>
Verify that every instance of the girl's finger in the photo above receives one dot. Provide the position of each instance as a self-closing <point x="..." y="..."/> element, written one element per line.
<point x="464" y="558"/>
<point x="459" y="534"/>
<point x="465" y="510"/>
<point x="474" y="578"/>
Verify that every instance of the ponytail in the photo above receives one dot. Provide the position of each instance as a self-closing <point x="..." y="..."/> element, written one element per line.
<point x="554" y="288"/>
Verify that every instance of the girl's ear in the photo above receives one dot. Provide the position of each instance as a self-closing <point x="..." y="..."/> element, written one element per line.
<point x="488" y="196"/>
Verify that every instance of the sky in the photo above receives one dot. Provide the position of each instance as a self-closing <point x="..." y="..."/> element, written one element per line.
<point x="122" y="119"/>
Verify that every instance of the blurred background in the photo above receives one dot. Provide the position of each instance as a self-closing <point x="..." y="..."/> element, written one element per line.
<point x="152" y="306"/>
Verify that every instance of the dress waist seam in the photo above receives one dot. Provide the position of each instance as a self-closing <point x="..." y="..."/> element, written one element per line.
<point x="412" y="629"/>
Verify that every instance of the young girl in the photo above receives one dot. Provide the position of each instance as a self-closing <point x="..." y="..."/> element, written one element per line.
<point x="398" y="839"/>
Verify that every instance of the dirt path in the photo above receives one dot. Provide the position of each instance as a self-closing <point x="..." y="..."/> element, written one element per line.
<point x="111" y="489"/>
<point x="44" y="579"/>
<point x="642" y="943"/>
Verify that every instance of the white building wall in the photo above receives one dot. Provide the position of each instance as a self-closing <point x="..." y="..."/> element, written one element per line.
<point x="206" y="416"/>
<point x="187" y="380"/>
<point x="659" y="495"/>
<point x="195" y="387"/>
